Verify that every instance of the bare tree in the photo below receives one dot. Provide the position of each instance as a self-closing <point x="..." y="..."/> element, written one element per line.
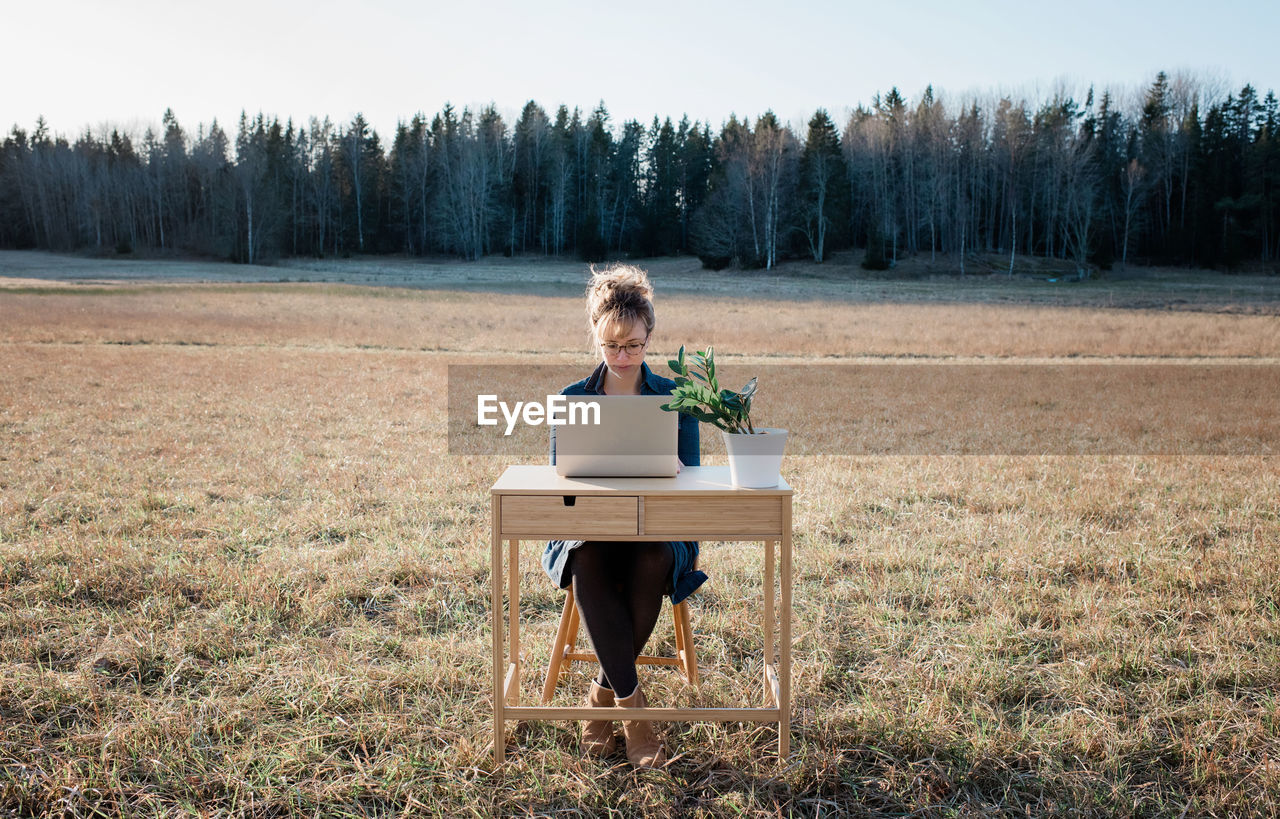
<point x="353" y="151"/>
<point x="250" y="170"/>
<point x="1080" y="199"/>
<point x="323" y="192"/>
<point x="1131" y="187"/>
<point x="773" y="161"/>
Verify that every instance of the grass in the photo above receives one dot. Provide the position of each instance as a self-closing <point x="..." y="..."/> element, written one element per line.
<point x="459" y="321"/>
<point x="240" y="575"/>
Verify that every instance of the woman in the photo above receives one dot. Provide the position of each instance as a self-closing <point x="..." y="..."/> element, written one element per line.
<point x="618" y="586"/>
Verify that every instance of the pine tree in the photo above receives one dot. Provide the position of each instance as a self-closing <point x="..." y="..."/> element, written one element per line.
<point x="531" y="177"/>
<point x="696" y="156"/>
<point x="661" y="229"/>
<point x="824" y="192"/>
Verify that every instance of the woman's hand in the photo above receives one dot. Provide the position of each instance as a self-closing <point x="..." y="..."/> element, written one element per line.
<point x="679" y="466"/>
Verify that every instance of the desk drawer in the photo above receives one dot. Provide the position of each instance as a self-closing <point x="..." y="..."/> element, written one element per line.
<point x="552" y="516"/>
<point x="691" y="517"/>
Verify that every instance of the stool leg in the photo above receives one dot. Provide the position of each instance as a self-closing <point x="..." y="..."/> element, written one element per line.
<point x="677" y="615"/>
<point x="690" y="656"/>
<point x="575" y="620"/>
<point x="556" y="664"/>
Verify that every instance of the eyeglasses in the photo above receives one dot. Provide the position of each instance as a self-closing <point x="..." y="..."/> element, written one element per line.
<point x="631" y="347"/>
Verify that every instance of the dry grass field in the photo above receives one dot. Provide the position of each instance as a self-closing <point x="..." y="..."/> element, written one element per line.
<point x="241" y="574"/>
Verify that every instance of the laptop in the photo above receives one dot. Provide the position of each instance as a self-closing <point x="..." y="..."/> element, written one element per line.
<point x="635" y="437"/>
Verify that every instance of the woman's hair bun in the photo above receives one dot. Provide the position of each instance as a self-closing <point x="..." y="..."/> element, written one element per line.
<point x="620" y="293"/>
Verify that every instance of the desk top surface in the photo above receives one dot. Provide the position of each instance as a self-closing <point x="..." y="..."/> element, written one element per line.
<point x="706" y="481"/>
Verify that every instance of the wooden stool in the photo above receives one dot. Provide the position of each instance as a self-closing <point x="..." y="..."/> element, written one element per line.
<point x="565" y="648"/>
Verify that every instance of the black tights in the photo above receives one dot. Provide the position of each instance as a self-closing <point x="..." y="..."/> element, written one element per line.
<point x="618" y="586"/>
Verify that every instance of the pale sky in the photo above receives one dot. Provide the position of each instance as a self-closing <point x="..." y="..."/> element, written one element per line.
<point x="92" y="63"/>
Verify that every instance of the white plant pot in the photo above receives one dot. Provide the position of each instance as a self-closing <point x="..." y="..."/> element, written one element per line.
<point x="755" y="461"/>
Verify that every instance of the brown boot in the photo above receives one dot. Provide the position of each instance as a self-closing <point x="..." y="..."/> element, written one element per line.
<point x="644" y="749"/>
<point x="597" y="734"/>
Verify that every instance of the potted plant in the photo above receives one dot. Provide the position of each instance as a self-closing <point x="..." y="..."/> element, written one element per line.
<point x="755" y="455"/>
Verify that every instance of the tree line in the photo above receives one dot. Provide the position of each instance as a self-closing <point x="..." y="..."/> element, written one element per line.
<point x="1180" y="177"/>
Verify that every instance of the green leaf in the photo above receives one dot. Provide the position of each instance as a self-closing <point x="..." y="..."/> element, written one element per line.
<point x="677" y="364"/>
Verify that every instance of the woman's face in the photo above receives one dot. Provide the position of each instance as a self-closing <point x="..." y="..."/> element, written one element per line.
<point x="622" y="346"/>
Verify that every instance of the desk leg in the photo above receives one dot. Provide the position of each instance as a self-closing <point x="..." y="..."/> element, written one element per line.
<point x="495" y="571"/>
<point x="769" y="620"/>
<point x="784" y="662"/>
<point x="513" y="613"/>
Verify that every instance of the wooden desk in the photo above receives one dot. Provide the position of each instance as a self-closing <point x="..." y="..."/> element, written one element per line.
<point x="533" y="503"/>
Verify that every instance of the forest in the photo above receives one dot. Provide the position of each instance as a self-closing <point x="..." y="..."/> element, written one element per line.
<point x="1178" y="175"/>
